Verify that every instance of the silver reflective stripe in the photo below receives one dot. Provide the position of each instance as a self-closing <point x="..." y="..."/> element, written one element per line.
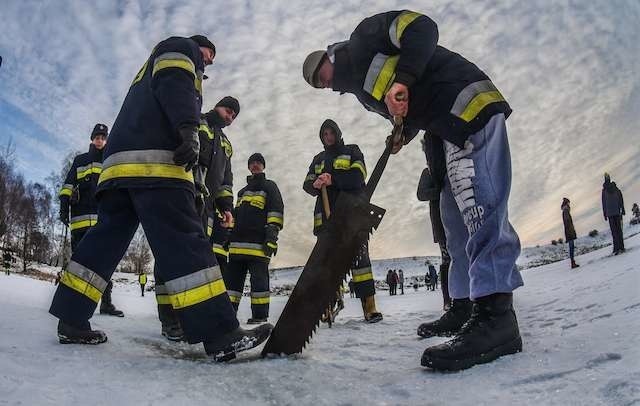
<point x="347" y="157"/>
<point x="84" y="217"/>
<point x="317" y="215"/>
<point x="361" y="271"/>
<point x="193" y="280"/>
<point x="260" y="294"/>
<point x="234" y="293"/>
<point x="67" y="186"/>
<point x="275" y="214"/>
<point x="254" y="193"/>
<point x="90" y="166"/>
<point x="245" y="245"/>
<point x="87" y="275"/>
<point x="374" y="70"/>
<point x="393" y="30"/>
<point x="210" y="221"/>
<point x="468" y="93"/>
<point x="151" y="156"/>
<point x="310" y="176"/>
<point x="161" y="289"/>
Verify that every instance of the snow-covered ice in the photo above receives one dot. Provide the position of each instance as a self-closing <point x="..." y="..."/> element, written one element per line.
<point x="580" y="330"/>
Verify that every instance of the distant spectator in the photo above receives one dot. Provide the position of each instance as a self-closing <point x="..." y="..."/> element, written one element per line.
<point x="569" y="230"/>
<point x="392" y="281"/>
<point x="613" y="210"/>
<point x="396" y="279"/>
<point x="142" y="279"/>
<point x="401" y="281"/>
<point x="433" y="277"/>
<point x="636" y="214"/>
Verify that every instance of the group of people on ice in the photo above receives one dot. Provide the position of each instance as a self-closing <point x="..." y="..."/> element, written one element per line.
<point x="612" y="210"/>
<point x="166" y="167"/>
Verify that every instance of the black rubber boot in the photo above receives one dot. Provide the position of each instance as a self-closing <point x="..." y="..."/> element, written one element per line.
<point x="68" y="334"/>
<point x="491" y="332"/>
<point x="226" y="347"/>
<point x="450" y="322"/>
<point x="106" y="307"/>
<point x="171" y="327"/>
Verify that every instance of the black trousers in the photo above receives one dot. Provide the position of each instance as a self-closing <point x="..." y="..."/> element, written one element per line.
<point x="615" y="223"/>
<point x="76" y="237"/>
<point x="235" y="276"/>
<point x="183" y="255"/>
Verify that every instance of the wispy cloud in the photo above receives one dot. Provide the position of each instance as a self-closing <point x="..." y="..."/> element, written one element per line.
<point x="569" y="70"/>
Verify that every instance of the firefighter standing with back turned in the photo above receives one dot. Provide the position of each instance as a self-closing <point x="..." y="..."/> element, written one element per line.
<point x="146" y="179"/>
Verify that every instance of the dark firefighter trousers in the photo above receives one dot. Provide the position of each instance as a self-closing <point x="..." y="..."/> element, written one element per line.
<point x="235" y="276"/>
<point x="183" y="255"/>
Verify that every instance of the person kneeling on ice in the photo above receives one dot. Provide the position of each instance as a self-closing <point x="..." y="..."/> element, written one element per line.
<point x="394" y="66"/>
<point x="146" y="179"/>
<point x="340" y="168"/>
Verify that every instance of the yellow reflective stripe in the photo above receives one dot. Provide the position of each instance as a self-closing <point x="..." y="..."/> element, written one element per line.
<point x="260" y="300"/>
<point x="163" y="299"/>
<point x="219" y="250"/>
<point x="341" y="163"/>
<point x="197" y="82"/>
<point x="254" y="252"/>
<point x="81" y="286"/>
<point x="197" y="295"/>
<point x="82" y="224"/>
<point x="145" y="170"/>
<point x="363" y="277"/>
<point x="256" y="201"/>
<point x="140" y="73"/>
<point x="272" y="245"/>
<point x="234" y="296"/>
<point x="479" y="102"/>
<point x="182" y="63"/>
<point x="207" y="130"/>
<point x="400" y="24"/>
<point x="88" y="172"/>
<point x="275" y="220"/>
<point x="385" y="77"/>
<point x="65" y="191"/>
<point x="319" y="168"/>
<point x="317" y="220"/>
<point x="209" y="231"/>
<point x="360" y="165"/>
<point x="224" y="193"/>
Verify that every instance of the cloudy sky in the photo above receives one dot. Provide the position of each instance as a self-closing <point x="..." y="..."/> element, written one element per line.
<point x="570" y="70"/>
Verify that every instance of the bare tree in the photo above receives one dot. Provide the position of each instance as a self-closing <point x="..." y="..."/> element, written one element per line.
<point x="138" y="258"/>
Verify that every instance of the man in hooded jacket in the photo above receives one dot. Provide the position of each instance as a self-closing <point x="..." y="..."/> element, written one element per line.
<point x="341" y="169"/>
<point x="613" y="210"/>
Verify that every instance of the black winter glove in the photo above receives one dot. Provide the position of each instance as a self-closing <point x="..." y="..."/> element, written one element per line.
<point x="427" y="188"/>
<point x="187" y="153"/>
<point x="270" y="245"/>
<point x="64" y="215"/>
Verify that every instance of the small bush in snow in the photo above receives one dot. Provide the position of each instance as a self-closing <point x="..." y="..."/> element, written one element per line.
<point x="593" y="233"/>
<point x="554" y="242"/>
<point x="560" y="241"/>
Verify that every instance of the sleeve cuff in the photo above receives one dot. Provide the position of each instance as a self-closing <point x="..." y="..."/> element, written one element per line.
<point x="405" y="78"/>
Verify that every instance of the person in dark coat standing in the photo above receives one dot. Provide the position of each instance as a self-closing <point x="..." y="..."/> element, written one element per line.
<point x="613" y="210"/>
<point x="569" y="230"/>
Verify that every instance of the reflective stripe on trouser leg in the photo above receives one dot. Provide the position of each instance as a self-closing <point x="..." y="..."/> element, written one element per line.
<point x="479" y="181"/>
<point x="99" y="251"/>
<point x="362" y="275"/>
<point x="259" y="289"/>
<point x="235" y="275"/>
<point x="184" y="261"/>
